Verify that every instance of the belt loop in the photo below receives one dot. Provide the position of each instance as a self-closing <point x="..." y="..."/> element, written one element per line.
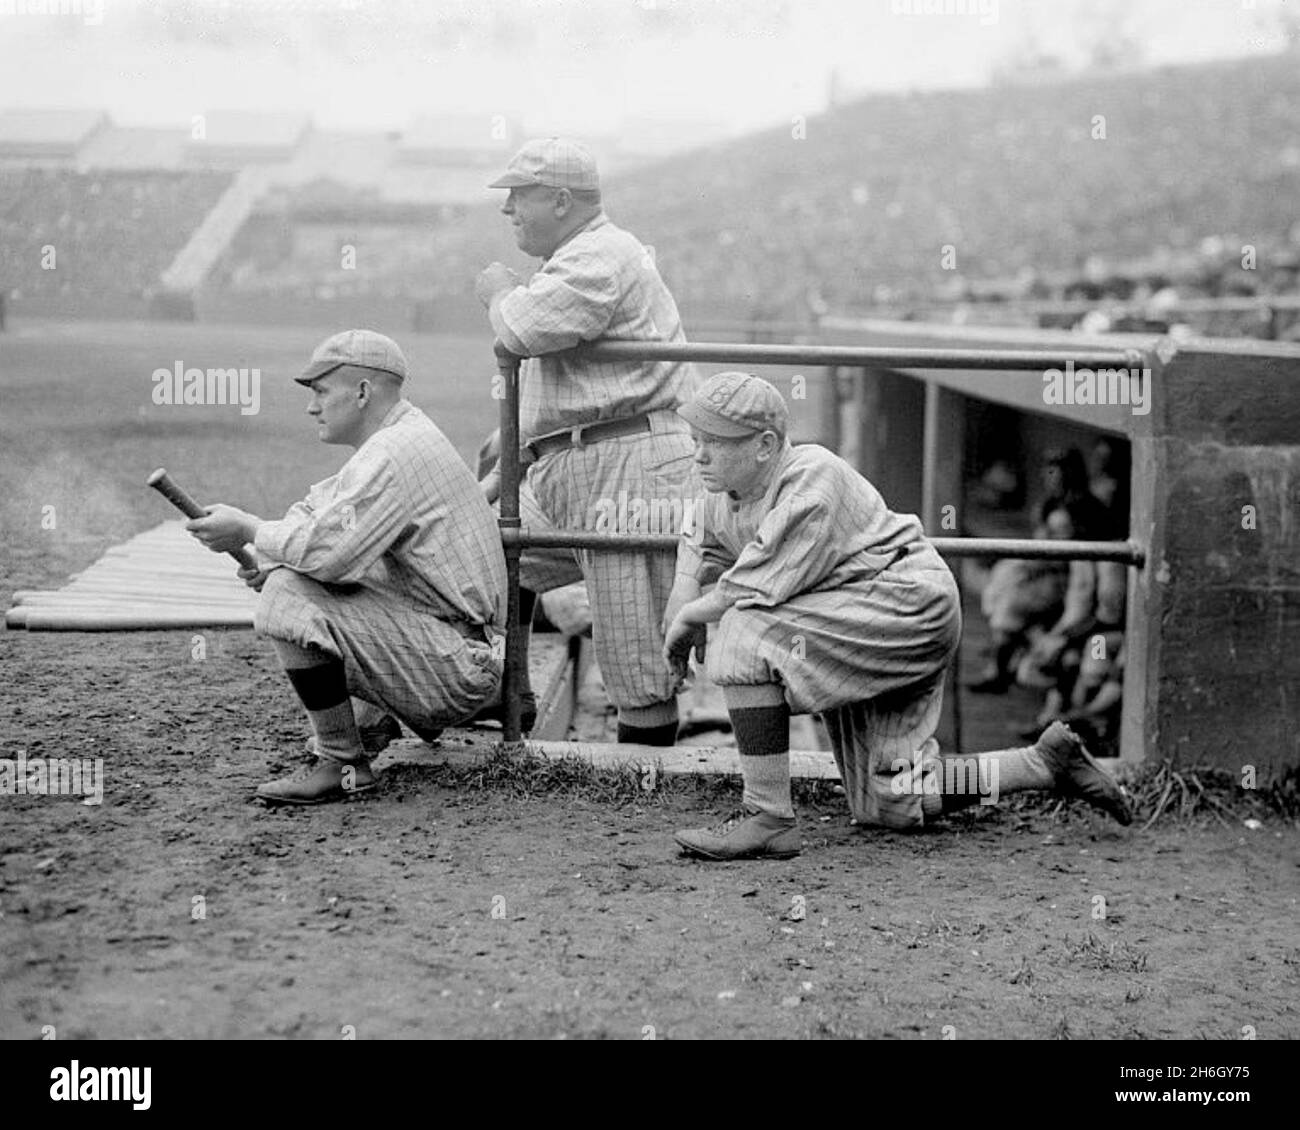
<point x="575" y="436"/>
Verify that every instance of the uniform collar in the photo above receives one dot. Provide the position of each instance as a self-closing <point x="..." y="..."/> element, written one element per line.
<point x="599" y="220"/>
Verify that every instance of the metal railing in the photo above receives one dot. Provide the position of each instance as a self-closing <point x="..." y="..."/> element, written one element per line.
<point x="515" y="539"/>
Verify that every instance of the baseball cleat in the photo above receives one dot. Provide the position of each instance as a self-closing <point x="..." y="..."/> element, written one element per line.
<point x="374" y="739"/>
<point x="745" y="834"/>
<point x="1078" y="775"/>
<point x="319" y="783"/>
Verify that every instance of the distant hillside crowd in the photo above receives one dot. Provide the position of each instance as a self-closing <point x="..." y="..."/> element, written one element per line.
<point x="1126" y="193"/>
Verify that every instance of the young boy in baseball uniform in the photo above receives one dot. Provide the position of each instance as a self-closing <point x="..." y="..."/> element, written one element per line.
<point x="379" y="588"/>
<point x="824" y="600"/>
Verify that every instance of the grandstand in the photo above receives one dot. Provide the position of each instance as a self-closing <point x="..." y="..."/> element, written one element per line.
<point x="854" y="217"/>
<point x="1045" y="220"/>
<point x="96" y="243"/>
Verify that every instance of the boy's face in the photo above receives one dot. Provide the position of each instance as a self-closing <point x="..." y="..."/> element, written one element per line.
<point x="729" y="465"/>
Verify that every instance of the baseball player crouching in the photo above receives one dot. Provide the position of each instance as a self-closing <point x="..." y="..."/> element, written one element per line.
<point x="826" y="601"/>
<point x="380" y="587"/>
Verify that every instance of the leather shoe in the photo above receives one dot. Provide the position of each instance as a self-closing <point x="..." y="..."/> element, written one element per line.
<point x="745" y="834"/>
<point x="1078" y="775"/>
<point x="316" y="784"/>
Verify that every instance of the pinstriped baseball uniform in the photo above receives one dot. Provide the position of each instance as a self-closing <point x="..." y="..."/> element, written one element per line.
<point x="602" y="283"/>
<point x="393" y="565"/>
<point x="845" y="605"/>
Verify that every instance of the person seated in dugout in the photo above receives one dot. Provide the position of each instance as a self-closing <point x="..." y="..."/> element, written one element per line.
<point x="1073" y="659"/>
<point x="1020" y="600"/>
<point x="381" y="589"/>
<point x="822" y="599"/>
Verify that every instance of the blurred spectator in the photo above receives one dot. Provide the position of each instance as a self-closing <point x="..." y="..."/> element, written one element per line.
<point x="1109" y="468"/>
<point x="1077" y="656"/>
<point x="1065" y="478"/>
<point x="1020" y="600"/>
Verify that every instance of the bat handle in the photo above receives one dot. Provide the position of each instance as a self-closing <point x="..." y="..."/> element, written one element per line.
<point x="165" y="485"/>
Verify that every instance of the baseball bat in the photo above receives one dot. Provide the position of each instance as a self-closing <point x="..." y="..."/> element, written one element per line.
<point x="163" y="483"/>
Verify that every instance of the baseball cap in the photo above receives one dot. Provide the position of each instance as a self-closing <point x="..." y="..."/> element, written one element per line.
<point x="553" y="161"/>
<point x="734" y="405"/>
<point x="365" y="348"/>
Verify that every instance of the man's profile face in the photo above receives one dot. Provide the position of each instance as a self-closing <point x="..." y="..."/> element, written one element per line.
<point x="725" y="464"/>
<point x="334" y="406"/>
<point x="532" y="212"/>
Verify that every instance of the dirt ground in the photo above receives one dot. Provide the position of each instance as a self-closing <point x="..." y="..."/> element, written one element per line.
<point x="512" y="904"/>
<point x="442" y="907"/>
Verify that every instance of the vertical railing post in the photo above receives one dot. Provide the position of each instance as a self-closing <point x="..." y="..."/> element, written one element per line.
<point x="830" y="429"/>
<point x="512" y="677"/>
<point x="865" y="401"/>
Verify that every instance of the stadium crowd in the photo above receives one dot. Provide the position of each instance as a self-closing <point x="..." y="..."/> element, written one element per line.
<point x="112" y="233"/>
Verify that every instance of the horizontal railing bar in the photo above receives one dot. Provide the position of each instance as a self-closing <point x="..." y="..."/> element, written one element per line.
<point x="871" y="356"/>
<point x="1126" y="552"/>
<point x="1233" y="305"/>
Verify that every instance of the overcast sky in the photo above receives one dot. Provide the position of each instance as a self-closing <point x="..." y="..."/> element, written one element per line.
<point x="553" y="65"/>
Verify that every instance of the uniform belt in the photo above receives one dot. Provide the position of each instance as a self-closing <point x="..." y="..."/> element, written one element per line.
<point x="585" y="434"/>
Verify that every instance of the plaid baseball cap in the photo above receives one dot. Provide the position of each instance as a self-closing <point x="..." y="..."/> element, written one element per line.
<point x="553" y="161"/>
<point x="734" y="405"/>
<point x="366" y="348"/>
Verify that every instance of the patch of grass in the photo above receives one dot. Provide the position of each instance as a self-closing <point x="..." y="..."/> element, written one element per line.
<point x="1159" y="794"/>
<point x="1167" y="795"/>
<point x="1116" y="956"/>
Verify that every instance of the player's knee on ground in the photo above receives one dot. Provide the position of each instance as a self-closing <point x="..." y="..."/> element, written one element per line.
<point x="904" y="796"/>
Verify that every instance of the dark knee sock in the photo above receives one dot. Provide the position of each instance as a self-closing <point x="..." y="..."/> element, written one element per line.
<point x="763" y="737"/>
<point x="323" y="689"/>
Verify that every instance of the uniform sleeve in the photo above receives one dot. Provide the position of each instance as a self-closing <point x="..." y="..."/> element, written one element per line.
<point x="792" y="552"/>
<point x="701" y="555"/>
<point x="571" y="300"/>
<point x="338" y="534"/>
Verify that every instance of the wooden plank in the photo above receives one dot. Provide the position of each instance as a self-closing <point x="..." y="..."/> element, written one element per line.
<point x="670" y="760"/>
<point x="109" y="619"/>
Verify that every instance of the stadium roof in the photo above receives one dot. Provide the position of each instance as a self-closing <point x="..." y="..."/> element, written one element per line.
<point x="483" y="138"/>
<point x="54" y="133"/>
<point x="234" y="134"/>
<point x="131" y="147"/>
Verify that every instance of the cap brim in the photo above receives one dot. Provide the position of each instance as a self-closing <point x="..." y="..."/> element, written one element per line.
<point x="514" y="180"/>
<point x="713" y="424"/>
<point x="317" y="370"/>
